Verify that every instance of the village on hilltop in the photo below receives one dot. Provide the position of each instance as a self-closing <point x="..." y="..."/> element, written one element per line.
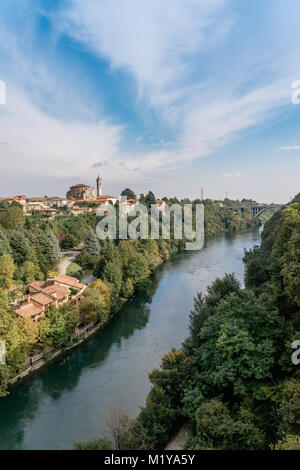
<point x="80" y="199"/>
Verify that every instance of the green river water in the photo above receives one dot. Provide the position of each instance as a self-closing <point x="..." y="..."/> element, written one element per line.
<point x="71" y="399"/>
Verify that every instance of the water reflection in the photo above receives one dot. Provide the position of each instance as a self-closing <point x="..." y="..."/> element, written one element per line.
<point x="69" y="399"/>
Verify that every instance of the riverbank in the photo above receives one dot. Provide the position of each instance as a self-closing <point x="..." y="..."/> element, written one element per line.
<point x="38" y="361"/>
<point x="45" y="358"/>
<point x="71" y="398"/>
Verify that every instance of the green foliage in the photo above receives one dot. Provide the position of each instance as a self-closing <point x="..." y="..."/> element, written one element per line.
<point x="86" y="260"/>
<point x="19" y="336"/>
<point x="157" y="418"/>
<point x="4" y="244"/>
<point x="113" y="275"/>
<point x="14" y="218"/>
<point x="128" y="193"/>
<point x="30" y="272"/>
<point x="256" y="274"/>
<point x="148" y="199"/>
<point x="7" y="269"/>
<point x="289" y="442"/>
<point x="291" y="267"/>
<point x="219" y="429"/>
<point x="74" y="270"/>
<point x="96" y="444"/>
<point x="240" y="389"/>
<point x="68" y="241"/>
<point x="71" y="316"/>
<point x="91" y="244"/>
<point x="52" y="328"/>
<point x="289" y="409"/>
<point x="20" y="247"/>
<point x="97" y="301"/>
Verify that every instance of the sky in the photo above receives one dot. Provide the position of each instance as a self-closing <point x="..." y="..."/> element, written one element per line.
<point x="167" y="95"/>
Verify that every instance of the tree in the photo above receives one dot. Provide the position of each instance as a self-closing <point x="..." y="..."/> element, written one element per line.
<point x="289" y="409"/>
<point x="28" y="331"/>
<point x="95" y="444"/>
<point x="17" y="343"/>
<point x="85" y="260"/>
<point x="104" y="290"/>
<point x="53" y="329"/>
<point x="30" y="272"/>
<point x="7" y="269"/>
<point x="4" y="244"/>
<point x="14" y="218"/>
<point x="291" y="267"/>
<point x="20" y="247"/>
<point x="93" y="295"/>
<point x="47" y="250"/>
<point x="70" y="313"/>
<point x="289" y="442"/>
<point x="149" y="199"/>
<point x="217" y="429"/>
<point x="237" y="347"/>
<point x="91" y="244"/>
<point x="204" y="306"/>
<point x="113" y="275"/>
<point x="69" y="241"/>
<point x="255" y="272"/>
<point x="127" y="290"/>
<point x="128" y="193"/>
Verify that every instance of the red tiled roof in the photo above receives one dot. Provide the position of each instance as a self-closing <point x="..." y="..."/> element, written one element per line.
<point x="59" y="292"/>
<point x="28" y="310"/>
<point x="69" y="280"/>
<point x="37" y="285"/>
<point x="41" y="298"/>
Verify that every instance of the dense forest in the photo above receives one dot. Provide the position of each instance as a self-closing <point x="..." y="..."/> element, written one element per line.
<point x="233" y="380"/>
<point x="31" y="249"/>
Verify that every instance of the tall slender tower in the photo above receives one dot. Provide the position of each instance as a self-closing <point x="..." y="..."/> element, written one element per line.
<point x="99" y="186"/>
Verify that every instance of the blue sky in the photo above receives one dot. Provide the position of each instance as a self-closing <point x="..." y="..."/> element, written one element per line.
<point x="167" y="95"/>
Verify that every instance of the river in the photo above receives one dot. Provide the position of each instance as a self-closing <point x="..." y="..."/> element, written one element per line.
<point x="71" y="399"/>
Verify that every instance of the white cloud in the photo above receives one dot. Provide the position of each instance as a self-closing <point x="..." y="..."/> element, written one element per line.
<point x="289" y="147"/>
<point x="156" y="40"/>
<point x="161" y="44"/>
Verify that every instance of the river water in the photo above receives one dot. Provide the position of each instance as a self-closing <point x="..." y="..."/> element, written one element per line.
<point x="71" y="399"/>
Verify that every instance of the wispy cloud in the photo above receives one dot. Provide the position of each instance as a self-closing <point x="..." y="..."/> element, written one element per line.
<point x="289" y="147"/>
<point x="194" y="68"/>
<point x="161" y="44"/>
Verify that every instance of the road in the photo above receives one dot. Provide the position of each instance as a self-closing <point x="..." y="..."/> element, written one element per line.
<point x="66" y="263"/>
<point x="63" y="267"/>
<point x="178" y="442"/>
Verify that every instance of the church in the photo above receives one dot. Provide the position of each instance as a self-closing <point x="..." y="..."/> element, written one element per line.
<point x="82" y="192"/>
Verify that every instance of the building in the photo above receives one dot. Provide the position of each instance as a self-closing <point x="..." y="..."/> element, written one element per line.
<point x="99" y="186"/>
<point x="19" y="199"/>
<point x="57" y="201"/>
<point x="106" y="199"/>
<point x="161" y="204"/>
<point x="42" y="294"/>
<point x="128" y="205"/>
<point x="81" y="191"/>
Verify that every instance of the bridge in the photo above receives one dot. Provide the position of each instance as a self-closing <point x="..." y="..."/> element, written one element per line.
<point x="256" y="210"/>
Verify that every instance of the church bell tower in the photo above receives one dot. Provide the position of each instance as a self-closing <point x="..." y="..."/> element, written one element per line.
<point x="99" y="186"/>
